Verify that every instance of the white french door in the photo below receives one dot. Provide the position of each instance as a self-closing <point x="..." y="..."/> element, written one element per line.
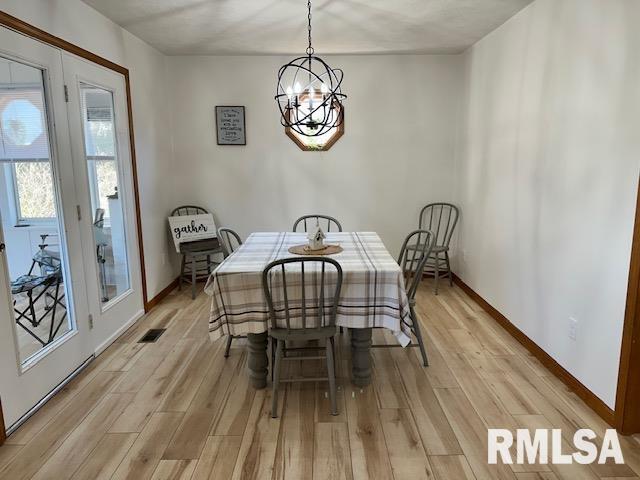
<point x="99" y="127"/>
<point x="70" y="275"/>
<point x="44" y="330"/>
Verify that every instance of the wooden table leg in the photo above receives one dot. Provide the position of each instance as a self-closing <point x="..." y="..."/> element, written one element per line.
<point x="258" y="361"/>
<point x="360" y="356"/>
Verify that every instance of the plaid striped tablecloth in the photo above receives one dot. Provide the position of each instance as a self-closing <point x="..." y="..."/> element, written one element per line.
<point x="373" y="291"/>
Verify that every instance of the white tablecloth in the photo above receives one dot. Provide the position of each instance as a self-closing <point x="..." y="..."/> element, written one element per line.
<point x="373" y="291"/>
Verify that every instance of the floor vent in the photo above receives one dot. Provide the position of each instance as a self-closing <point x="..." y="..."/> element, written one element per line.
<point x="152" y="335"/>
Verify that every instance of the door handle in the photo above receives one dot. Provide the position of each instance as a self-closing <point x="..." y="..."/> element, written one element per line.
<point x="2" y="247"/>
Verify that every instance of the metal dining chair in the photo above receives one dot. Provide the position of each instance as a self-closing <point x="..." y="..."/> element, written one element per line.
<point x="196" y="255"/>
<point x="229" y="241"/>
<point x="309" y="309"/>
<point x="415" y="252"/>
<point x="316" y="219"/>
<point x="441" y="219"/>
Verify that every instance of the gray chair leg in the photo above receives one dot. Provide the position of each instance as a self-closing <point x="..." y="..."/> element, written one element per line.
<point x="273" y="357"/>
<point x="446" y="257"/>
<point x="276" y="381"/>
<point x="193" y="277"/>
<point x="181" y="272"/>
<point x="436" y="272"/>
<point x="418" y="334"/>
<point x="332" y="377"/>
<point x="228" y="347"/>
<point x="209" y="264"/>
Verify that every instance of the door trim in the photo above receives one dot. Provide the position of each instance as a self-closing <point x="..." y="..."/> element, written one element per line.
<point x="627" y="415"/>
<point x="36" y="33"/>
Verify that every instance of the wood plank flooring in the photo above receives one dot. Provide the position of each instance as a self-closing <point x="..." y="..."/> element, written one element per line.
<point x="177" y="409"/>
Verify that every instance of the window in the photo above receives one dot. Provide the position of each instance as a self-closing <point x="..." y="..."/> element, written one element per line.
<point x="316" y="142"/>
<point x="97" y="109"/>
<point x="24" y="152"/>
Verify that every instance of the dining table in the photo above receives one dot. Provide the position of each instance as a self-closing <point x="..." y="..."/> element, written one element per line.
<point x="373" y="295"/>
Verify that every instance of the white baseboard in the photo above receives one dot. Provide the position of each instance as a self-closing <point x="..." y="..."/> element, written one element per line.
<point x="104" y="345"/>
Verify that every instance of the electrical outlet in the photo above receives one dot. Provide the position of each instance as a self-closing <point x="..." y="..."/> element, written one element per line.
<point x="573" y="328"/>
<point x="464" y="256"/>
<point x="163" y="259"/>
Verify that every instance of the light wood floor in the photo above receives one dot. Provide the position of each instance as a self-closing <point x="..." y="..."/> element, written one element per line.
<point x="177" y="409"/>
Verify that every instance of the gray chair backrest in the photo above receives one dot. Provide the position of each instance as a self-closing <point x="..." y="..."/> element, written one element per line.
<point x="274" y="278"/>
<point x="317" y="219"/>
<point x="229" y="241"/>
<point x="188" y="210"/>
<point x="413" y="257"/>
<point x="440" y="218"/>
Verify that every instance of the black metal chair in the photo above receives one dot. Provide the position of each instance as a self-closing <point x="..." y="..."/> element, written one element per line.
<point x="316" y="220"/>
<point x="48" y="286"/>
<point x="314" y="312"/>
<point x="441" y="219"/>
<point x="229" y="241"/>
<point x="196" y="256"/>
<point x="414" y="255"/>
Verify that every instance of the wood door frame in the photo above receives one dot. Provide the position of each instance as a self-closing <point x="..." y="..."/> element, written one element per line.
<point x="36" y="33"/>
<point x="627" y="418"/>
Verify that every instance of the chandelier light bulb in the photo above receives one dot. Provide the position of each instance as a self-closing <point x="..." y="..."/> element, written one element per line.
<point x="297" y="88"/>
<point x="289" y="93"/>
<point x="312" y="92"/>
<point x="323" y="88"/>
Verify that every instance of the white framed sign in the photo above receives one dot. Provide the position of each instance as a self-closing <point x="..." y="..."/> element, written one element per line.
<point x="188" y="228"/>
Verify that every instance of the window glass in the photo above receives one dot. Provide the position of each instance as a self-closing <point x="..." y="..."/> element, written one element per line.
<point x="24" y="146"/>
<point x="109" y="227"/>
<point x="34" y="190"/>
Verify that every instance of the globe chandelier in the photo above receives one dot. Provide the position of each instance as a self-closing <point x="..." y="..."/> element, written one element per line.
<point x="309" y="93"/>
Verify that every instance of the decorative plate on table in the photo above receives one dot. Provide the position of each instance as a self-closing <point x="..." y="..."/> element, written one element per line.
<point x="306" y="250"/>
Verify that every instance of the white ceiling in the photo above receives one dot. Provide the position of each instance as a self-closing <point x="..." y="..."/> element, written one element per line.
<point x="235" y="27"/>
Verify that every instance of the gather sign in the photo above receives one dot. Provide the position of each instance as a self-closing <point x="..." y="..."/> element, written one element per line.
<point x="188" y="228"/>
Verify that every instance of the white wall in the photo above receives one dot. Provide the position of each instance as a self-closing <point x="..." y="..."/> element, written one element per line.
<point x="547" y="177"/>
<point x="78" y="23"/>
<point x="397" y="153"/>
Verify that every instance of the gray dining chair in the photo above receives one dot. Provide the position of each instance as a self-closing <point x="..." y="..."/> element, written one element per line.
<point x="314" y="315"/>
<point x="415" y="252"/>
<point x="196" y="256"/>
<point x="229" y="241"/>
<point x="310" y="221"/>
<point x="441" y="219"/>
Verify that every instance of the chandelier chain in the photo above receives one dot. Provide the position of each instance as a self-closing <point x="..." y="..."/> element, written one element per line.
<point x="309" y="48"/>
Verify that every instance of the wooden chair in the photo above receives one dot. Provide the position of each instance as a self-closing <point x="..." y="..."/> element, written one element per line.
<point x="441" y="219"/>
<point x="196" y="256"/>
<point x="316" y="219"/>
<point x="229" y="241"/>
<point x="319" y="325"/>
<point x="414" y="254"/>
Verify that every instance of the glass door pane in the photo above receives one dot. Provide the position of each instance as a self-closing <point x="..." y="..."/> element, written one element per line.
<point x="101" y="155"/>
<point x="30" y="212"/>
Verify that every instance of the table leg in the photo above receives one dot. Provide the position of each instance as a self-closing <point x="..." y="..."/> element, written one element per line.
<point x="360" y="356"/>
<point x="258" y="361"/>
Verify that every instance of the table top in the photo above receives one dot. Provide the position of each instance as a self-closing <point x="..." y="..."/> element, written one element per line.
<point x="362" y="251"/>
<point x="373" y="292"/>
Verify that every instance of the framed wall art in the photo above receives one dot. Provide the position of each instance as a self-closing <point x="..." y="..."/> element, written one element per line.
<point x="230" y="125"/>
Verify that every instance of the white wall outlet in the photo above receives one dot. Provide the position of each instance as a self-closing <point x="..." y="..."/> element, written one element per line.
<point x="464" y="255"/>
<point x="573" y="328"/>
<point x="163" y="259"/>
